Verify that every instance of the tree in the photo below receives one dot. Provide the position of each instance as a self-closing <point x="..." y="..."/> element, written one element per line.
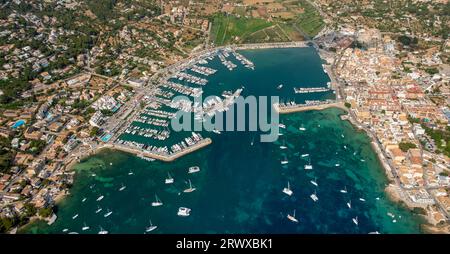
<point x="405" y="146"/>
<point x="94" y="131"/>
<point x="348" y="105"/>
<point x="46" y="212"/>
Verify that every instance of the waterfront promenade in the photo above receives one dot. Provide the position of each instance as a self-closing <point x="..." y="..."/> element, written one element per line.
<point x="305" y="107"/>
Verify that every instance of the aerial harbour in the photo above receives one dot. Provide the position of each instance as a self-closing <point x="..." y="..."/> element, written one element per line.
<point x="148" y="141"/>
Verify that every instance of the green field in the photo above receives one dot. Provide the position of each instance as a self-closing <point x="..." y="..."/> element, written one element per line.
<point x="230" y="29"/>
<point x="310" y="22"/>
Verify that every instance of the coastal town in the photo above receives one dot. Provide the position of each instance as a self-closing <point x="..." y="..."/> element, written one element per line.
<point x="68" y="90"/>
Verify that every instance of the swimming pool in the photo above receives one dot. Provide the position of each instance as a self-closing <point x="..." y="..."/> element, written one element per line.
<point x="18" y="124"/>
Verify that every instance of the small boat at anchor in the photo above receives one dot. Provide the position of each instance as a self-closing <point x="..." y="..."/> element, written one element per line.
<point x="193" y="169"/>
<point x="292" y="217"/>
<point x="287" y="190"/>
<point x="190" y="189"/>
<point x="151" y="227"/>
<point x="314" y="196"/>
<point x="314" y="182"/>
<point x="184" y="211"/>
<point x="169" y="179"/>
<point x="157" y="201"/>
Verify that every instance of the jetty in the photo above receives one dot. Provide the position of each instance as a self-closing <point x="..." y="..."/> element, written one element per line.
<point x="157" y="155"/>
<point x="312" y="105"/>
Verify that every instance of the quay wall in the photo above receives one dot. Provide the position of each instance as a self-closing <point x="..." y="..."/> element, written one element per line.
<point x="300" y="108"/>
<point x="161" y="157"/>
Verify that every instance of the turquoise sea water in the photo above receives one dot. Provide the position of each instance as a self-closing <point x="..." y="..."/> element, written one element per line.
<point x="239" y="187"/>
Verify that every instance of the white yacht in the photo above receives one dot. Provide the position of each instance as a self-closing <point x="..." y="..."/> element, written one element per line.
<point x="337" y="165"/>
<point x="280" y="86"/>
<point x="99" y="209"/>
<point x="216" y="131"/>
<point x="314" y="196"/>
<point x="193" y="169"/>
<point x="283" y="146"/>
<point x="302" y="128"/>
<point x="65" y="230"/>
<point x="362" y="200"/>
<point x="85" y="227"/>
<point x="314" y="182"/>
<point x="184" y="211"/>
<point x="102" y="231"/>
<point x="157" y="201"/>
<point x="130" y="173"/>
<point x="84" y="199"/>
<point x="344" y="190"/>
<point x="305" y="155"/>
<point x="169" y="179"/>
<point x="342" y="135"/>
<point x="284" y="161"/>
<point x="349" y="204"/>
<point x="287" y="190"/>
<point x="100" y="198"/>
<point x="282" y="126"/>
<point x="292" y="217"/>
<point x="123" y="187"/>
<point x="75" y="216"/>
<point x="151" y="227"/>
<point x="107" y="214"/>
<point x="308" y="166"/>
<point x="355" y="220"/>
<point x="190" y="189"/>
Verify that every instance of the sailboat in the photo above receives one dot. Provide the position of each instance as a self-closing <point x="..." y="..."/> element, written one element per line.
<point x="302" y="128"/>
<point x="85" y="227"/>
<point x="284" y="145"/>
<point x="284" y="161"/>
<point x="314" y="196"/>
<point x="100" y="198"/>
<point x="130" y="173"/>
<point x="75" y="216"/>
<point x="108" y="213"/>
<point x="190" y="189"/>
<point x="308" y="166"/>
<point x="355" y="220"/>
<point x="349" y="204"/>
<point x="292" y="217"/>
<point x="151" y="227"/>
<point x="102" y="231"/>
<point x="287" y="190"/>
<point x="344" y="190"/>
<point x="122" y="188"/>
<point x="84" y="199"/>
<point x="362" y="200"/>
<point x="157" y="201"/>
<point x="305" y="155"/>
<point x="169" y="179"/>
<point x="314" y="182"/>
<point x="99" y="209"/>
